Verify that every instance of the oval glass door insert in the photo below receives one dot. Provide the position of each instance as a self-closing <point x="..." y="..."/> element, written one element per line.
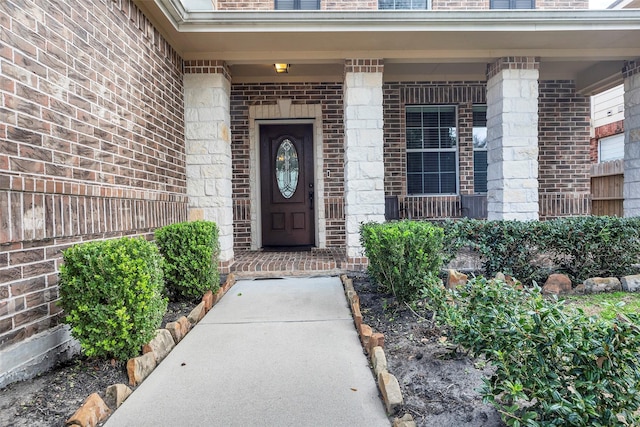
<point x="287" y="168"/>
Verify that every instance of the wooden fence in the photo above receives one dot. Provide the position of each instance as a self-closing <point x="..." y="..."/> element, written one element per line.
<point x="607" y="180"/>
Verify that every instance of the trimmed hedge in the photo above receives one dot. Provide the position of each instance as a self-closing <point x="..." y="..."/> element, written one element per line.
<point x="581" y="247"/>
<point x="402" y="255"/>
<point x="553" y="366"/>
<point x="111" y="292"/>
<point x="191" y="252"/>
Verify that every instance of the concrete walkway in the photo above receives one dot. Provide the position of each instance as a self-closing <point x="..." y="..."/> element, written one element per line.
<point x="277" y="352"/>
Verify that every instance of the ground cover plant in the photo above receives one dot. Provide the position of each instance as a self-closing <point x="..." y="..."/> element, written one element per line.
<point x="553" y="365"/>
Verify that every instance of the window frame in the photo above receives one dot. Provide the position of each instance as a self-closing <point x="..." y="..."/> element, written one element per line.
<point x="427" y="6"/>
<point x="296" y="5"/>
<point x="485" y="149"/>
<point x="455" y="150"/>
<point x="512" y="5"/>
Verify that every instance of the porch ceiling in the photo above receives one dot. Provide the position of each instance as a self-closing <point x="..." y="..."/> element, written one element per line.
<point x="585" y="45"/>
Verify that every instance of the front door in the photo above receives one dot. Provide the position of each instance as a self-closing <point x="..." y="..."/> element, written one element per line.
<point x="286" y="170"/>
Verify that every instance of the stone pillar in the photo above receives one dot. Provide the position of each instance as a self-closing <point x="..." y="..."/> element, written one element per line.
<point x="631" y="189"/>
<point x="512" y="135"/>
<point x="363" y="150"/>
<point x="207" y="89"/>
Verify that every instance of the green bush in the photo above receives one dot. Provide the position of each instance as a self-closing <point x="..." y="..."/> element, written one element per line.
<point x="582" y="247"/>
<point x="111" y="292"/>
<point x="552" y="366"/>
<point x="509" y="247"/>
<point x="191" y="251"/>
<point x="402" y="255"/>
<point x="593" y="246"/>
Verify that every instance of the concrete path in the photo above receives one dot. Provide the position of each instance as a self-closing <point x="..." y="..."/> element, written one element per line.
<point x="277" y="352"/>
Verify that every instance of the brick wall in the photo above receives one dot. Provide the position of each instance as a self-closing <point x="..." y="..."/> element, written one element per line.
<point x="564" y="145"/>
<point x="91" y="142"/>
<point x="561" y="4"/>
<point x="459" y="4"/>
<point x="329" y="95"/>
<point x="396" y="96"/>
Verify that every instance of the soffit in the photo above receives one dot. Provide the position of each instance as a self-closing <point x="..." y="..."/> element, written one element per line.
<point x="453" y="45"/>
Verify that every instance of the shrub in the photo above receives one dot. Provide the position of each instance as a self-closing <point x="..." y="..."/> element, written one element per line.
<point x="509" y="247"/>
<point x="593" y="246"/>
<point x="402" y="255"/>
<point x="582" y="247"/>
<point x="191" y="251"/>
<point x="111" y="292"/>
<point x="552" y="366"/>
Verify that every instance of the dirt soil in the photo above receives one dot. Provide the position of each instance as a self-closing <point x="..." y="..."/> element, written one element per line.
<point x="439" y="384"/>
<point x="51" y="398"/>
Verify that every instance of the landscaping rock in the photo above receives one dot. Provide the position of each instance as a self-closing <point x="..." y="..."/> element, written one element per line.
<point x="390" y="390"/>
<point x="92" y="411"/>
<point x="378" y="360"/>
<point x="207" y="299"/>
<point x="509" y="280"/>
<point x="357" y="315"/>
<point x="365" y="334"/>
<point x="376" y="340"/>
<point x="456" y="279"/>
<point x="196" y="314"/>
<point x="405" y="421"/>
<point x="178" y="329"/>
<point x="161" y="345"/>
<point x="596" y="285"/>
<point x="631" y="283"/>
<point x="116" y="394"/>
<point x="557" y="284"/>
<point x="140" y="367"/>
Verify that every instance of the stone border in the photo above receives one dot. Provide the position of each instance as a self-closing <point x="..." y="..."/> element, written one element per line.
<point x="94" y="410"/>
<point x="373" y="346"/>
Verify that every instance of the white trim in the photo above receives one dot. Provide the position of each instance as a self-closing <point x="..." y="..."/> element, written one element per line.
<point x="284" y="114"/>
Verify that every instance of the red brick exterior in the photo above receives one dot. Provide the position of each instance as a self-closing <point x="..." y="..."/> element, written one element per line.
<point x="91" y="142"/>
<point x="329" y="95"/>
<point x="564" y="146"/>
<point x="396" y="96"/>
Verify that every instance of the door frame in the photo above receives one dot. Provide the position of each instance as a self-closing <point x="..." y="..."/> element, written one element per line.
<point x="282" y="114"/>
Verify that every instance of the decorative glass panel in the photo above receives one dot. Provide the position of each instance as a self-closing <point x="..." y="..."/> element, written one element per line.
<point x="287" y="168"/>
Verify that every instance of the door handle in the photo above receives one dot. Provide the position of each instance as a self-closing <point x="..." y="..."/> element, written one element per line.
<point x="311" y="199"/>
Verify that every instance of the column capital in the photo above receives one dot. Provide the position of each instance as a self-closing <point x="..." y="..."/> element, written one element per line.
<point x="360" y="65"/>
<point x="207" y="66"/>
<point x="631" y="68"/>
<point x="512" y="63"/>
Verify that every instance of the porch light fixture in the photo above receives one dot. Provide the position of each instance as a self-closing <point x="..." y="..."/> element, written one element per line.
<point x="281" y="68"/>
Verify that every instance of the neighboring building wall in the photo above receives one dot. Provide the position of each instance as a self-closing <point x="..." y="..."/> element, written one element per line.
<point x="329" y="96"/>
<point x="91" y="147"/>
<point x="460" y="5"/>
<point x="561" y="4"/>
<point x="396" y="96"/>
<point x="564" y="146"/>
<point x="607" y="112"/>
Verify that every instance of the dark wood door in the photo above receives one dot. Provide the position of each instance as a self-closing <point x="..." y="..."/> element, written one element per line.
<point x="286" y="170"/>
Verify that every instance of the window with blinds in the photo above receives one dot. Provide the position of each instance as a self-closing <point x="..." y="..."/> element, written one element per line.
<point x="402" y="4"/>
<point x="513" y="4"/>
<point x="432" y="150"/>
<point x="297" y="4"/>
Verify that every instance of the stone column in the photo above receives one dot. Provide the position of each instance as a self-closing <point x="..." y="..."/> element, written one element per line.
<point x="207" y="90"/>
<point x="512" y="135"/>
<point x="631" y="189"/>
<point x="363" y="150"/>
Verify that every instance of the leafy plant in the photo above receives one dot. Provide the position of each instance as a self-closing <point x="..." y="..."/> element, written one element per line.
<point x="402" y="255"/>
<point x="552" y="366"/>
<point x="191" y="251"/>
<point x="111" y="292"/>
